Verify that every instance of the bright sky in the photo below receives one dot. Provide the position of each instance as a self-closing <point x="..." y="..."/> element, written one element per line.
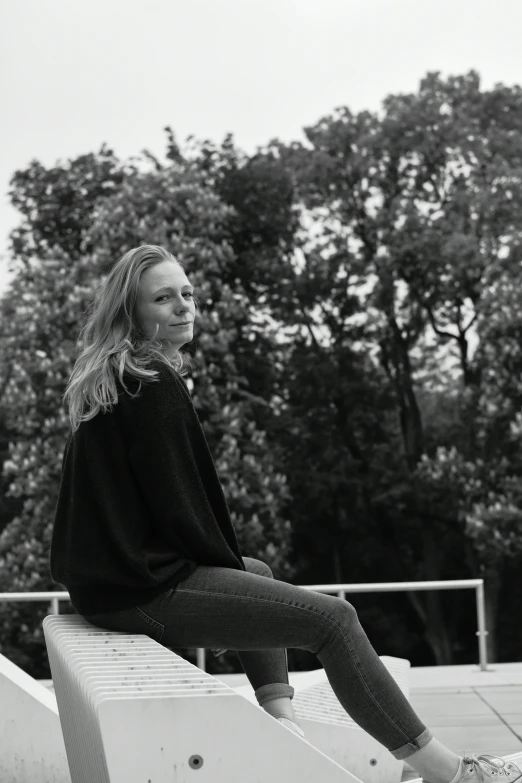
<point x="77" y="74"/>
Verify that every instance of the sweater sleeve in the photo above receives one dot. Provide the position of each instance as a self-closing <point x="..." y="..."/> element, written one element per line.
<point x="180" y="486"/>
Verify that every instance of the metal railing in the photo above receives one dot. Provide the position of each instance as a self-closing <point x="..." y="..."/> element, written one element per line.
<point x="341" y="589"/>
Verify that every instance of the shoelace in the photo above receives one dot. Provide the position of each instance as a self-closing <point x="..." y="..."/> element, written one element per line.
<point x="481" y="765"/>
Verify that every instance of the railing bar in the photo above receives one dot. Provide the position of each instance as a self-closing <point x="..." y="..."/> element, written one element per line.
<point x="341" y="589"/>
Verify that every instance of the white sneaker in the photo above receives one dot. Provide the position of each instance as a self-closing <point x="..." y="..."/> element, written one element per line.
<point x="297" y="729"/>
<point x="482" y="769"/>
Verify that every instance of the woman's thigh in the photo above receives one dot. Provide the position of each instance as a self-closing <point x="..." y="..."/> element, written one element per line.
<point x="227" y="608"/>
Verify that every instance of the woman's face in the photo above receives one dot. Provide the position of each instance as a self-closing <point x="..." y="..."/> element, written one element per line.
<point x="165" y="298"/>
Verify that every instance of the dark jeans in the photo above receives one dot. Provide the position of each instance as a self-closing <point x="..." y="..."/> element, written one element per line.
<point x="259" y="617"/>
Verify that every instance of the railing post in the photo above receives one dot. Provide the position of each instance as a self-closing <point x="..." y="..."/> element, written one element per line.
<point x="200" y="657"/>
<point x="482" y="633"/>
<point x="55" y="606"/>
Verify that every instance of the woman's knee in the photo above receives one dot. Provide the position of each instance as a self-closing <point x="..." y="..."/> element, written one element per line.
<point x="343" y="612"/>
<point x="349" y="610"/>
<point x="336" y="618"/>
<point x="255" y="566"/>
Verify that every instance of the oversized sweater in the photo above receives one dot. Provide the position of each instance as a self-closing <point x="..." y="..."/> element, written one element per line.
<point x="140" y="504"/>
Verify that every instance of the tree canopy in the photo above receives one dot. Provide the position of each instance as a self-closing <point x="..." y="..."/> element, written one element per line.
<point x="358" y="356"/>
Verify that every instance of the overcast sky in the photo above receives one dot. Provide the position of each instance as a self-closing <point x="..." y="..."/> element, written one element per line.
<point x="77" y="73"/>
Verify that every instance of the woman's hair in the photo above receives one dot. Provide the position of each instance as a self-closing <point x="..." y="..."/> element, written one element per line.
<point x="111" y="340"/>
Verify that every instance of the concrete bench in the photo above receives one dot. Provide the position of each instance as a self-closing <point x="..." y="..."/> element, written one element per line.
<point x="132" y="711"/>
<point x="328" y="727"/>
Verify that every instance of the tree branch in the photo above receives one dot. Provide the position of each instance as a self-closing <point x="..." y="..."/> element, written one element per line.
<point x="252" y="397"/>
<point x="3" y="387"/>
<point x="309" y="327"/>
<point x="436" y="329"/>
<point x="470" y="323"/>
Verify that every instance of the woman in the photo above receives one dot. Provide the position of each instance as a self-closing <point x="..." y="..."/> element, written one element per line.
<point x="143" y="539"/>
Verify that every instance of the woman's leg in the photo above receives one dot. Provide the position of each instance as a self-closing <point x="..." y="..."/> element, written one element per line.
<point x="258" y="617"/>
<point x="267" y="670"/>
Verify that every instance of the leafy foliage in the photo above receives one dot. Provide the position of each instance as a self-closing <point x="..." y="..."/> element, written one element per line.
<point x="358" y="351"/>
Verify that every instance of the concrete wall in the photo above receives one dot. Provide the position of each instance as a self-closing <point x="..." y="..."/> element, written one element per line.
<point x="32" y="749"/>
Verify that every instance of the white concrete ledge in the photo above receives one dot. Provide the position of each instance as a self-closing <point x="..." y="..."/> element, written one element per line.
<point x="32" y="749"/>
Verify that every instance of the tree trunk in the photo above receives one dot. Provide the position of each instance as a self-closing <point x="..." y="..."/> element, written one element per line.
<point x="428" y="605"/>
<point x="436" y="630"/>
<point x="337" y="566"/>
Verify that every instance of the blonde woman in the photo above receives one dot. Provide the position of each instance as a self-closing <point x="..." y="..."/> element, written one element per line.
<point x="143" y="539"/>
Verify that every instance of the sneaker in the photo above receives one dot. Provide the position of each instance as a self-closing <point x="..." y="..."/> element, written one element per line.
<point x="482" y="769"/>
<point x="297" y="729"/>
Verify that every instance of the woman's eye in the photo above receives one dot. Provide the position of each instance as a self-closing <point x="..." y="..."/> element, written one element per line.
<point x="187" y="293"/>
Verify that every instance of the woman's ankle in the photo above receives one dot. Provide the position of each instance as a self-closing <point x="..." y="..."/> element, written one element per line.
<point x="436" y="763"/>
<point x="281" y="707"/>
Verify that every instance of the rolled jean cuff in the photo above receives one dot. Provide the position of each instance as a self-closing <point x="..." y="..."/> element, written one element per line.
<point x="274" y="690"/>
<point x="412" y="747"/>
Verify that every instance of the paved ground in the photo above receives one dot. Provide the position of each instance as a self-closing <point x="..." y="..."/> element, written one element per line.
<point x="469" y="710"/>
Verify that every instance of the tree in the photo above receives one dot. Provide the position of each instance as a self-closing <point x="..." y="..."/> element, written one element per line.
<point x="343" y="283"/>
<point x="57" y="203"/>
<point x="172" y="207"/>
<point x="421" y="201"/>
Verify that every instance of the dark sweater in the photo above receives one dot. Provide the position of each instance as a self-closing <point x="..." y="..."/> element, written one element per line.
<point x="140" y="504"/>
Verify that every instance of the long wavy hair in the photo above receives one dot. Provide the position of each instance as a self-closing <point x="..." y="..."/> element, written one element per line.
<point x="112" y="342"/>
